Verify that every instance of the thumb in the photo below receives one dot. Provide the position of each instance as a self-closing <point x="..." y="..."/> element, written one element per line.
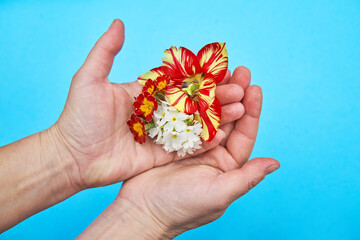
<point x="98" y="64"/>
<point x="235" y="183"/>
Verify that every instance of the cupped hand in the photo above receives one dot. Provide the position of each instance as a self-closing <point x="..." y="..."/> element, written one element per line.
<point x="192" y="192"/>
<point x="93" y="129"/>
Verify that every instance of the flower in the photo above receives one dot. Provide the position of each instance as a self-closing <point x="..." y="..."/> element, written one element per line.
<point x="175" y="130"/>
<point x="193" y="82"/>
<point x="137" y="127"/>
<point x="173" y="140"/>
<point x="162" y="81"/>
<point x="187" y="149"/>
<point x="175" y="120"/>
<point x="192" y="132"/>
<point x="160" y="113"/>
<point x="149" y="86"/>
<point x="156" y="131"/>
<point x="145" y="105"/>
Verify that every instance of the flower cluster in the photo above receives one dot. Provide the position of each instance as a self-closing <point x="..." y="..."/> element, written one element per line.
<point x="175" y="130"/>
<point x="178" y="105"/>
<point x="145" y="105"/>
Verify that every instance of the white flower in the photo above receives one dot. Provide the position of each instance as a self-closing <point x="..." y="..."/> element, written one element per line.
<point x="159" y="115"/>
<point x="175" y="120"/>
<point x="193" y="131"/>
<point x="172" y="130"/>
<point x="154" y="131"/>
<point x="173" y="140"/>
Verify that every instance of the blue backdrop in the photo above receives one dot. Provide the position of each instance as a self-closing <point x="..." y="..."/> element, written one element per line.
<point x="304" y="55"/>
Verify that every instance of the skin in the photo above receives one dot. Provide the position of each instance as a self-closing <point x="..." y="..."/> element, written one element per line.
<point x="166" y="201"/>
<point x="90" y="145"/>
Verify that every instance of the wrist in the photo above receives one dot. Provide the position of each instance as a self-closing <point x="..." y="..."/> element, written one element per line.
<point x="124" y="220"/>
<point x="34" y="177"/>
<point x="58" y="160"/>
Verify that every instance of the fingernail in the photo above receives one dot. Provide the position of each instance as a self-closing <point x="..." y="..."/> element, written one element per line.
<point x="271" y="169"/>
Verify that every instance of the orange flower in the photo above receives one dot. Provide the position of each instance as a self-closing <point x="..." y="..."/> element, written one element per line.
<point x="162" y="81"/>
<point x="145" y="105"/>
<point x="137" y="127"/>
<point x="193" y="82"/>
<point x="149" y="87"/>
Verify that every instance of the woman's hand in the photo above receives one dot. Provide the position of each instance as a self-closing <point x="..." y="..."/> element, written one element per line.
<point x="166" y="201"/>
<point x="92" y="127"/>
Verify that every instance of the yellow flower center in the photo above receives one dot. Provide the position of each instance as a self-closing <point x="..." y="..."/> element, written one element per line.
<point x="173" y="119"/>
<point x="150" y="89"/>
<point x="174" y="136"/>
<point x="188" y="130"/>
<point x="138" y="128"/>
<point x="163" y="114"/>
<point x="161" y="85"/>
<point x="147" y="107"/>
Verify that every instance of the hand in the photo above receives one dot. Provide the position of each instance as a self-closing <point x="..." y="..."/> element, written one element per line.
<point x="189" y="193"/>
<point x="93" y="129"/>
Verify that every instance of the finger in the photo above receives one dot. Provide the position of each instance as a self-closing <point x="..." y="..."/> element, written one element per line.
<point x="242" y="138"/>
<point x="229" y="93"/>
<point x="241" y="77"/>
<point x="231" y="112"/>
<point x="98" y="64"/>
<point x="226" y="78"/>
<point x="206" y="146"/>
<point x="227" y="128"/>
<point x="235" y="183"/>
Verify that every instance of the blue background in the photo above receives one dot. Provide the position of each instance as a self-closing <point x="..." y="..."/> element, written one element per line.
<point x="304" y="55"/>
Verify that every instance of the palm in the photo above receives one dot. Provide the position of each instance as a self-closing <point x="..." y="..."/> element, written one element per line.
<point x="192" y="192"/>
<point x="185" y="190"/>
<point x="100" y="136"/>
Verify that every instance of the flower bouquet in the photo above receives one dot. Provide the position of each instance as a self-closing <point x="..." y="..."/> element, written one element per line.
<point x="177" y="106"/>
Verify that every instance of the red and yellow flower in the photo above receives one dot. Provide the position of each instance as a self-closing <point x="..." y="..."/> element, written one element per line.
<point x="162" y="81"/>
<point x="193" y="82"/>
<point x="137" y="127"/>
<point x="149" y="86"/>
<point x="145" y="105"/>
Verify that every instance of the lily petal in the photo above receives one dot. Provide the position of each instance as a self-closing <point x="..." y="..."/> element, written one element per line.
<point x="210" y="120"/>
<point x="213" y="59"/>
<point x="207" y="92"/>
<point x="152" y="74"/>
<point x="180" y="100"/>
<point x="182" y="63"/>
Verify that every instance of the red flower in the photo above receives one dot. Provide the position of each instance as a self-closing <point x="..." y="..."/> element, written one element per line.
<point x="162" y="81"/>
<point x="137" y="127"/>
<point x="194" y="79"/>
<point x="149" y="86"/>
<point x="145" y="105"/>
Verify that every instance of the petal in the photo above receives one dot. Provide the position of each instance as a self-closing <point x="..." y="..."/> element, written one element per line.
<point x="207" y="92"/>
<point x="213" y="59"/>
<point x="210" y="120"/>
<point x="152" y="74"/>
<point x="180" y="100"/>
<point x="181" y="62"/>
